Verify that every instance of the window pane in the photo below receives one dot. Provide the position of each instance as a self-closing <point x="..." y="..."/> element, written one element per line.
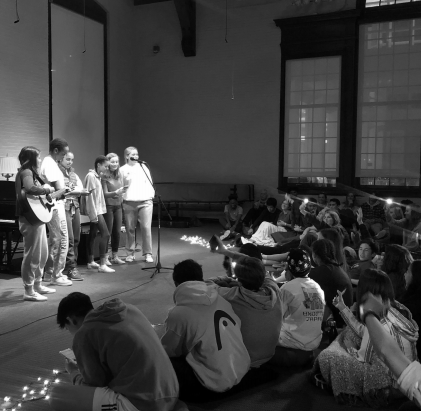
<point x="389" y="103"/>
<point x="312" y="123"/>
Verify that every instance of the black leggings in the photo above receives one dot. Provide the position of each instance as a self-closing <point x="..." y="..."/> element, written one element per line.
<point x="105" y="235"/>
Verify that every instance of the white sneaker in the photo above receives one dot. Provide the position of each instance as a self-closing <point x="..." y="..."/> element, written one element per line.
<point x="149" y="258"/>
<point x="93" y="265"/>
<point x="34" y="297"/>
<point x="105" y="269"/>
<point x="130" y="258"/>
<point x="107" y="261"/>
<point x="245" y="240"/>
<point x="225" y="235"/>
<point x="62" y="280"/>
<point x="117" y="260"/>
<point x="42" y="289"/>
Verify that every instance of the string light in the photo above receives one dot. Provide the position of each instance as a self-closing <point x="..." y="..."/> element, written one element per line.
<point x="30" y="392"/>
<point x="200" y="241"/>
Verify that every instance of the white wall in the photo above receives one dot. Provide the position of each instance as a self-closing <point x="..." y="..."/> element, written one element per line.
<point x="190" y="127"/>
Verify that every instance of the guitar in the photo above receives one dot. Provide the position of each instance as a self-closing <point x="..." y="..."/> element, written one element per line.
<point x="38" y="208"/>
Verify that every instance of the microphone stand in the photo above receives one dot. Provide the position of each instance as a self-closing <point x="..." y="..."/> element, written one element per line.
<point x="158" y="267"/>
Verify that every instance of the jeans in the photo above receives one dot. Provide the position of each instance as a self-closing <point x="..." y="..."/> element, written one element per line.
<point x="138" y="211"/>
<point x="105" y="236"/>
<point x="113" y="219"/>
<point x="73" y="228"/>
<point x="35" y="252"/>
<point x="58" y="241"/>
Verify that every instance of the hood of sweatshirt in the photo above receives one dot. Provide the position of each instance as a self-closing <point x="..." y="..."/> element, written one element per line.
<point x="112" y="311"/>
<point x="195" y="293"/>
<point x="262" y="300"/>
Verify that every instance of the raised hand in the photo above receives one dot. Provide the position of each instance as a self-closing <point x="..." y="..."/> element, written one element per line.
<point x="359" y="216"/>
<point x="338" y="301"/>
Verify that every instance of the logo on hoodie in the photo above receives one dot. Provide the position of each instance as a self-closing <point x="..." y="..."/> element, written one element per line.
<point x="216" y="318"/>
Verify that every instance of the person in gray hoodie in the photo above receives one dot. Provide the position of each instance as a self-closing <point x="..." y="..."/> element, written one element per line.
<point x="255" y="298"/>
<point x="203" y="336"/>
<point x="120" y="363"/>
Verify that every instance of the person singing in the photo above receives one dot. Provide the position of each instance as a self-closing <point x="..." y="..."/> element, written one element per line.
<point x="137" y="203"/>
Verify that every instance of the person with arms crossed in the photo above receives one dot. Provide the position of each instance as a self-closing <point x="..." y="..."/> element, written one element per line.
<point x="58" y="242"/>
<point x="137" y="204"/>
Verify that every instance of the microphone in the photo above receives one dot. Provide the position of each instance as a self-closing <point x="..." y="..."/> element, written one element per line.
<point x="137" y="160"/>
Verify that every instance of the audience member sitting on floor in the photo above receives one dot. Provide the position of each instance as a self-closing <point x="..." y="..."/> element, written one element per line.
<point x="349" y="365"/>
<point x="395" y="264"/>
<point x="321" y="202"/>
<point x="120" y="361"/>
<point x="292" y="197"/>
<point x="203" y="336"/>
<point x="263" y="235"/>
<point x="254" y="212"/>
<point x="303" y="304"/>
<point x="335" y="235"/>
<point x="396" y="232"/>
<point x="411" y="225"/>
<point x="255" y="299"/>
<point x="329" y="219"/>
<point x="270" y="215"/>
<point x="330" y="276"/>
<point x="378" y="230"/>
<point x="407" y="374"/>
<point x="232" y="218"/>
<point x="372" y="209"/>
<point x="411" y="298"/>
<point x="367" y="251"/>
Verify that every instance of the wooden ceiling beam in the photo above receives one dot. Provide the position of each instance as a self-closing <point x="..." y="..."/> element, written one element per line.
<point x="186" y="11"/>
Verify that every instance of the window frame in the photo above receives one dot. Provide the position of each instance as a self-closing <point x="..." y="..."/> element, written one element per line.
<point x="331" y="34"/>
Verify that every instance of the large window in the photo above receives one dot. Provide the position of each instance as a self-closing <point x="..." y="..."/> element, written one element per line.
<point x="389" y="103"/>
<point x="312" y="107"/>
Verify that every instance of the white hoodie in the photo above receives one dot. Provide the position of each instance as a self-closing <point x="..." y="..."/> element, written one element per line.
<point x="204" y="328"/>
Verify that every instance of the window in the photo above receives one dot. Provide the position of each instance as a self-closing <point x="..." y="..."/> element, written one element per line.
<point x="389" y="103"/>
<point x="312" y="107"/>
<point x="377" y="3"/>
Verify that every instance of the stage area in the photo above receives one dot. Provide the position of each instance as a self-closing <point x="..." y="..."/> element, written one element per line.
<point x="30" y="338"/>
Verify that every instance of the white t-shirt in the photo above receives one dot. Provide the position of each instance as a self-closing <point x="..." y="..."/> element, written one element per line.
<point x="136" y="178"/>
<point x="233" y="214"/>
<point x="50" y="172"/>
<point x="303" y="303"/>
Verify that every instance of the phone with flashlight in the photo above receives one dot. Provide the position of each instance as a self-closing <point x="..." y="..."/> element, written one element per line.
<point x="305" y="200"/>
<point x="389" y="201"/>
<point x="213" y="243"/>
<point x="69" y="354"/>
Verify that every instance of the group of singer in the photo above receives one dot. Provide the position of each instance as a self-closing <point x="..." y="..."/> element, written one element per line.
<point x="107" y="192"/>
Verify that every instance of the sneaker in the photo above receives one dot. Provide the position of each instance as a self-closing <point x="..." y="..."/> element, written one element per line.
<point x="130" y="258"/>
<point x="117" y="260"/>
<point x="74" y="275"/>
<point x="62" y="280"/>
<point x="34" y="297"/>
<point x="149" y="258"/>
<point x="107" y="260"/>
<point x="225" y="235"/>
<point x="47" y="276"/>
<point x="93" y="265"/>
<point x="42" y="289"/>
<point x="245" y="240"/>
<point x="105" y="269"/>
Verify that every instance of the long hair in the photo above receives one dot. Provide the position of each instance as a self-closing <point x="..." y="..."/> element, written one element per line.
<point x="114" y="173"/>
<point x="127" y="152"/>
<point x="335" y="236"/>
<point x="397" y="259"/>
<point x="28" y="159"/>
<point x="335" y="216"/>
<point x="376" y="282"/>
<point x="325" y="250"/>
<point x="414" y="288"/>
